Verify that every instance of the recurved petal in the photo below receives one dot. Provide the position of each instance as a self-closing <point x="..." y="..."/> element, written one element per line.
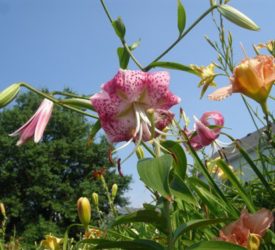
<point x="205" y="134"/>
<point x="221" y="93"/>
<point x="258" y="222"/>
<point x="158" y="94"/>
<point x="217" y="118"/>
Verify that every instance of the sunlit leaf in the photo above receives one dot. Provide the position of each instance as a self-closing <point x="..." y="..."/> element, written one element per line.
<point x="155" y="173"/>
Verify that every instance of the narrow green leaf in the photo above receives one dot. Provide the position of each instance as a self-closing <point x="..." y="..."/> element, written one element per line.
<point x="173" y="65"/>
<point x="180" y="162"/>
<point x="213" y="201"/>
<point x="181" y="17"/>
<point x="195" y="224"/>
<point x="237" y="17"/>
<point x="119" y="28"/>
<point x="95" y="128"/>
<point x="124" y="57"/>
<point x="155" y="173"/>
<point x="235" y="182"/>
<point x="147" y="216"/>
<point x="255" y="169"/>
<point x="128" y="245"/>
<point x="180" y="190"/>
<point x="214" y="245"/>
<point x="134" y="45"/>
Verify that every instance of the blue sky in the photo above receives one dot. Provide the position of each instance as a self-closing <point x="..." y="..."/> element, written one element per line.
<point x="69" y="43"/>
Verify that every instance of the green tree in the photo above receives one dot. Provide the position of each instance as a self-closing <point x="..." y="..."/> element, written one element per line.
<point x="40" y="183"/>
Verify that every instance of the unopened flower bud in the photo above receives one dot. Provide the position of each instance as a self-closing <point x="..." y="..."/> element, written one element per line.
<point x="140" y="152"/>
<point x="8" y="94"/>
<point x="84" y="210"/>
<point x="95" y="199"/>
<point x="2" y="209"/>
<point x="114" y="190"/>
<point x="237" y="17"/>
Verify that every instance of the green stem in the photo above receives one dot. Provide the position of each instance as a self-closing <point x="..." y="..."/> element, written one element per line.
<point x="122" y="40"/>
<point x="148" y="67"/>
<point x="166" y="213"/>
<point x="55" y="101"/>
<point x="68" y="95"/>
<point x="110" y="201"/>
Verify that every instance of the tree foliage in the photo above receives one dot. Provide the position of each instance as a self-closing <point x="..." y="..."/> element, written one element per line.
<point x="40" y="183"/>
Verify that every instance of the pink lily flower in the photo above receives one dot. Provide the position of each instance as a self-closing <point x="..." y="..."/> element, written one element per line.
<point x="36" y="125"/>
<point x="203" y="135"/>
<point x="123" y="103"/>
<point x="238" y="232"/>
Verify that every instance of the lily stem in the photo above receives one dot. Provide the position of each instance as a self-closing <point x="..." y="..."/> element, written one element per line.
<point x="125" y="45"/>
<point x="55" y="101"/>
<point x="180" y="37"/>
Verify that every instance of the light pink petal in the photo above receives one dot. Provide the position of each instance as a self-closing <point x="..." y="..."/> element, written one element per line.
<point x="158" y="95"/>
<point x="258" y="222"/>
<point x="127" y="84"/>
<point x="28" y="131"/>
<point x="221" y="94"/>
<point x="18" y="131"/>
<point x="106" y="106"/>
<point x="119" y="129"/>
<point x="44" y="117"/>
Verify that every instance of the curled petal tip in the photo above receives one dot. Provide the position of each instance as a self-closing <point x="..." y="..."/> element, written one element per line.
<point x="221" y="94"/>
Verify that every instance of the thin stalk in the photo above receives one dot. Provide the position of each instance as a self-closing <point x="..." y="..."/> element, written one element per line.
<point x="110" y="201"/>
<point x="148" y="67"/>
<point x="250" y="113"/>
<point x="166" y="213"/>
<point x="55" y="101"/>
<point x="68" y="95"/>
<point x="122" y="40"/>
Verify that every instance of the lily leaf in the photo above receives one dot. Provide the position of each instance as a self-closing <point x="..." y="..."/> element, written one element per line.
<point x="155" y="173"/>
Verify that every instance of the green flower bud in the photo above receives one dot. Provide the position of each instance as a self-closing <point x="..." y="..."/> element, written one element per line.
<point x="237" y="17"/>
<point x="140" y="152"/>
<point x="84" y="210"/>
<point x="114" y="190"/>
<point x="8" y="94"/>
<point x="95" y="199"/>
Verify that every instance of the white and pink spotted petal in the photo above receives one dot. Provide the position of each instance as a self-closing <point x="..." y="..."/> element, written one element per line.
<point x="221" y="94"/>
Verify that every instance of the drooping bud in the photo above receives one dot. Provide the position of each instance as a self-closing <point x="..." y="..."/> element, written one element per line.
<point x="95" y="199"/>
<point x="140" y="152"/>
<point x="84" y="210"/>
<point x="114" y="190"/>
<point x="8" y="94"/>
<point x="2" y="209"/>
